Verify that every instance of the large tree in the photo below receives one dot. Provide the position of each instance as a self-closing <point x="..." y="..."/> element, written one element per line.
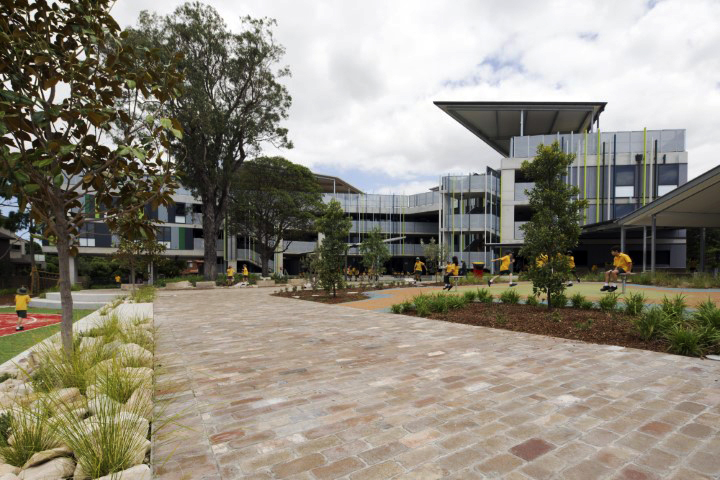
<point x="334" y="226"/>
<point x="374" y="252"/>
<point x="68" y="87"/>
<point x="139" y="246"/>
<point x="270" y="200"/>
<point x="554" y="227"/>
<point x="232" y="104"/>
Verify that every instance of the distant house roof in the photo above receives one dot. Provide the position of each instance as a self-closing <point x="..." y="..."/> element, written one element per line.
<point x="497" y="122"/>
<point x="330" y="184"/>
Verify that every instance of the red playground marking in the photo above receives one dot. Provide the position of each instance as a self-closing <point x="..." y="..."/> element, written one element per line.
<point x="8" y="321"/>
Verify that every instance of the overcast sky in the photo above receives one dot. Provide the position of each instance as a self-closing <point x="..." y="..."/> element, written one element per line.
<point x="365" y="74"/>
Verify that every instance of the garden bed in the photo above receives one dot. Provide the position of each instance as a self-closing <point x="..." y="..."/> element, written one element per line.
<point x="343" y="296"/>
<point x="592" y="326"/>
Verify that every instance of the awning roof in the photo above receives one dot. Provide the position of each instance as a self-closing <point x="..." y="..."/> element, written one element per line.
<point x="694" y="204"/>
<point x="497" y="122"/>
<point x="327" y="182"/>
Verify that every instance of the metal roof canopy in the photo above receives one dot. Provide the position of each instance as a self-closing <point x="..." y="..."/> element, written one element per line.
<point x="331" y="184"/>
<point x="497" y="122"/>
<point x="694" y="204"/>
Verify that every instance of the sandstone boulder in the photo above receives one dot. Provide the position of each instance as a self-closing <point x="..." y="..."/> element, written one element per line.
<point x="140" y="403"/>
<point x="5" y="468"/>
<point x="45" y="455"/>
<point x="138" y="472"/>
<point x="54" y="469"/>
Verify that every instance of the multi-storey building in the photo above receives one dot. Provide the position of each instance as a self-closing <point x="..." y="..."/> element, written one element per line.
<point x="616" y="171"/>
<point x="473" y="216"/>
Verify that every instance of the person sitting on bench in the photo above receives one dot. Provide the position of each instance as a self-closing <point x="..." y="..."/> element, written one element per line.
<point x="622" y="264"/>
<point x="451" y="270"/>
<point x="505" y="268"/>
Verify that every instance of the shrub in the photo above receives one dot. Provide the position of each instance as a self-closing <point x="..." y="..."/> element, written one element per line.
<point x="422" y="305"/>
<point x="634" y="304"/>
<point x="685" y="340"/>
<point x="145" y="294"/>
<point x="532" y="301"/>
<point x="454" y="302"/>
<point x="577" y="300"/>
<point x="609" y="302"/>
<point x="510" y="296"/>
<point x="58" y="370"/>
<point x="651" y="323"/>
<point x="484" y="295"/>
<point x="401" y="307"/>
<point x="674" y="307"/>
<point x="707" y="314"/>
<point x="559" y="300"/>
<point x="587" y="305"/>
<point x="469" y="296"/>
<point x="31" y="434"/>
<point x="4" y="428"/>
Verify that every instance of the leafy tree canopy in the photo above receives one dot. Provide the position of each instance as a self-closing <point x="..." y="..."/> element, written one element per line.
<point x="334" y="226"/>
<point x="375" y="252"/>
<point x="554" y="227"/>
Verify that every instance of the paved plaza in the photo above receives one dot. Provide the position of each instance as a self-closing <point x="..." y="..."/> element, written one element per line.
<point x="270" y="388"/>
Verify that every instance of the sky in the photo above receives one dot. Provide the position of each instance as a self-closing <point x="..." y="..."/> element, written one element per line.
<point x="365" y="75"/>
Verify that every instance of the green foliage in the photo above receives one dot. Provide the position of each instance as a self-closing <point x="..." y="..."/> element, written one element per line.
<point x="5" y="376"/>
<point x="59" y="370"/>
<point x="577" y="300"/>
<point x="554" y="227"/>
<point x="532" y="300"/>
<point x="470" y="295"/>
<point x="685" y="340"/>
<point x="635" y="304"/>
<point x="374" y="252"/>
<point x="510" y="296"/>
<point x="233" y="102"/>
<point x="4" y="428"/>
<point x="609" y="302"/>
<point x="484" y="295"/>
<point x="651" y="323"/>
<point x="138" y="245"/>
<point x="434" y="254"/>
<point x="31" y="433"/>
<point x="335" y="226"/>
<point x="144" y="294"/>
<point x="403" y="307"/>
<point x="93" y="153"/>
<point x="587" y="305"/>
<point x="270" y="198"/>
<point x="674" y="307"/>
<point x="559" y="299"/>
<point x="707" y="314"/>
<point x="425" y="304"/>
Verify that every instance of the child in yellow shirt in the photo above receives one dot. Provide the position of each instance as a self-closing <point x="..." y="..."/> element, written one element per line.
<point x="21" y="305"/>
<point x="622" y="263"/>
<point x="506" y="262"/>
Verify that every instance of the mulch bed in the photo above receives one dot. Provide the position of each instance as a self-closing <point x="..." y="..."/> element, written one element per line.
<point x="323" y="297"/>
<point x="591" y="326"/>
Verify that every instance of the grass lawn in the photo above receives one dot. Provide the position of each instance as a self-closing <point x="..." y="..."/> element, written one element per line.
<point x="11" y="345"/>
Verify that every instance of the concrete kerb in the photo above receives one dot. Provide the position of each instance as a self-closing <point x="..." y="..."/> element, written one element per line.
<point x="124" y="310"/>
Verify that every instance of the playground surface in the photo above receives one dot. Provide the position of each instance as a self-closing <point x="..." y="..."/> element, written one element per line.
<point x="8" y="321"/>
<point x="382" y="300"/>
<point x="273" y="388"/>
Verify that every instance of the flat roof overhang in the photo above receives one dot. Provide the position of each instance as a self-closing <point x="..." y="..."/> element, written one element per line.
<point x="695" y="204"/>
<point x="496" y="123"/>
<point x="329" y="182"/>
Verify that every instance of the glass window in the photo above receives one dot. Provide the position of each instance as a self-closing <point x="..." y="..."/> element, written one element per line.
<point x="668" y="174"/>
<point x="625" y="181"/>
<point x="623" y="209"/>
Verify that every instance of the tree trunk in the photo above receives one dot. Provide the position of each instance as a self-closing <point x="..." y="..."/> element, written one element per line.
<point x="63" y="249"/>
<point x="265" y="261"/>
<point x="549" y="300"/>
<point x="132" y="274"/>
<point x="210" y="233"/>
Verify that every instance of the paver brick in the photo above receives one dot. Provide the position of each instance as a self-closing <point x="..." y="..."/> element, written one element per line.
<point x="531" y="449"/>
<point x="299" y="465"/>
<point x="338" y="469"/>
<point x="499" y="464"/>
<point x="380" y="471"/>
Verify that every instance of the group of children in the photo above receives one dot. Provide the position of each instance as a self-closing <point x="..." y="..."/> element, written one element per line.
<point x="622" y="264"/>
<point x="230" y="275"/>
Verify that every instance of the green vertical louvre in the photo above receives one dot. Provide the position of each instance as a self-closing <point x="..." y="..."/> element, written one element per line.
<point x="181" y="238"/>
<point x="585" y="175"/>
<point x="644" y="172"/>
<point x="597" y="180"/>
<point x="501" y="209"/>
<point x="402" y="219"/>
<point x="462" y="221"/>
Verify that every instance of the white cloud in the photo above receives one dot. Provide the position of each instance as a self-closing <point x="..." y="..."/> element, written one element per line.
<point x="365" y="74"/>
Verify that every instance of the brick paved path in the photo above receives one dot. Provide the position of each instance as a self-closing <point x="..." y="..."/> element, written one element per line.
<point x="282" y="388"/>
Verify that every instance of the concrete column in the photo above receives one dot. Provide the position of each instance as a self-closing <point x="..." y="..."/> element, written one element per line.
<point x="622" y="239"/>
<point x="702" y="250"/>
<point x="73" y="271"/>
<point x="644" y="249"/>
<point x="151" y="273"/>
<point x="653" y="236"/>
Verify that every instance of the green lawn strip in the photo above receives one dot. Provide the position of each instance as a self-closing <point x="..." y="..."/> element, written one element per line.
<point x="11" y="345"/>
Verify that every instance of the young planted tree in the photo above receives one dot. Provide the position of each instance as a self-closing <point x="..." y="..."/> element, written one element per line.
<point x="138" y="247"/>
<point x="434" y="254"/>
<point x="270" y="200"/>
<point x="68" y="86"/>
<point x="334" y="225"/>
<point x="554" y="227"/>
<point x="375" y="252"/>
<point x="232" y="104"/>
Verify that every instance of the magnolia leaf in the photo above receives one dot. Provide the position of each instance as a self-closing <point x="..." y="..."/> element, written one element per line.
<point x="58" y="180"/>
<point x="96" y="118"/>
<point x="31" y="188"/>
<point x="166" y="123"/>
<point x="131" y="84"/>
<point x="150" y="119"/>
<point x="177" y="133"/>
